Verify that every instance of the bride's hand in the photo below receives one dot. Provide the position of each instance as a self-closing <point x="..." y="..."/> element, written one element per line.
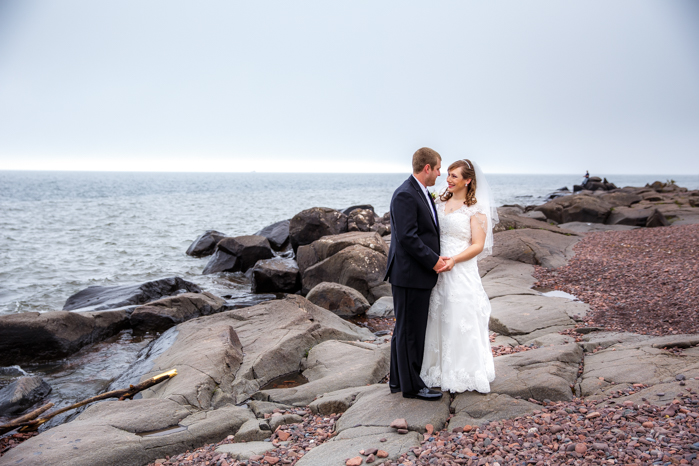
<point x="449" y="264"/>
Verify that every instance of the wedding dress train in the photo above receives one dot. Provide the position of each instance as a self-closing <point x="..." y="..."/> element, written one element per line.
<point x="457" y="353"/>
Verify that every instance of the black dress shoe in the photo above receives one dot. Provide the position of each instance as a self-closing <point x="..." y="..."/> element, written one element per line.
<point x="424" y="394"/>
<point x="394" y="388"/>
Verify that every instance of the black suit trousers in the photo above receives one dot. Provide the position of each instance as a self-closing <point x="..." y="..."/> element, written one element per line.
<point x="411" y="307"/>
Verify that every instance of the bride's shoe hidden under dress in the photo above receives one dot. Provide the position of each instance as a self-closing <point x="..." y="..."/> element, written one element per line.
<point x="457" y="354"/>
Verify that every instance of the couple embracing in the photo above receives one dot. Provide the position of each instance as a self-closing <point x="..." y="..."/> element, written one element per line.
<point x="442" y="311"/>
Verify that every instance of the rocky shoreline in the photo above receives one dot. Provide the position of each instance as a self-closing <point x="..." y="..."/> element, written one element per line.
<point x="593" y="390"/>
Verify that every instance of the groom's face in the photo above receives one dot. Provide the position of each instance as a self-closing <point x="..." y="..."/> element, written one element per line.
<point x="432" y="174"/>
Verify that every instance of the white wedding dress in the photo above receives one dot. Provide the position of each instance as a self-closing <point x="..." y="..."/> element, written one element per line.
<point x="457" y="353"/>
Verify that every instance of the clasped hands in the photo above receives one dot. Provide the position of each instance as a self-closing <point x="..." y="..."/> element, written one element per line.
<point x="444" y="264"/>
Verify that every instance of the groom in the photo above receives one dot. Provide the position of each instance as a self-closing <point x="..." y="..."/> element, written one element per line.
<point x="413" y="260"/>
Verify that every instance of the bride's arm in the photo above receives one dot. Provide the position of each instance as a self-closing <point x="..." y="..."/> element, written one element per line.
<point x="477" y="242"/>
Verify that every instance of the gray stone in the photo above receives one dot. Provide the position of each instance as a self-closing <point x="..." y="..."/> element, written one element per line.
<point x="576" y="208"/>
<point x="164" y="313"/>
<point x="536" y="247"/>
<point x="382" y="307"/>
<point x="501" y="340"/>
<point x="312" y="224"/>
<point x="205" y="244"/>
<point x="586" y="227"/>
<point x="243" y="451"/>
<point x="476" y="409"/>
<point x="28" y="336"/>
<point x="117" y="434"/>
<point x="550" y="339"/>
<point x="543" y="373"/>
<point x="356" y="266"/>
<point x="621" y="198"/>
<point x="283" y="420"/>
<point x="327" y="246"/>
<point x="253" y="430"/>
<point x="277" y="234"/>
<point x="603" y="339"/>
<point x="21" y="394"/>
<point x="634" y="362"/>
<point x="360" y="220"/>
<point x="524" y="317"/>
<point x="509" y="278"/>
<point x="633" y="216"/>
<point x="418" y="413"/>
<point x="238" y="254"/>
<point x="348" y="444"/>
<point x="276" y="275"/>
<point x="535" y="214"/>
<point x="260" y="408"/>
<point x="335" y="365"/>
<point x="101" y="298"/>
<point x="670" y="391"/>
<point x="339" y="299"/>
<point x="336" y="402"/>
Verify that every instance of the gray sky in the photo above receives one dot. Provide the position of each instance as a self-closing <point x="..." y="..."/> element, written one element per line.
<point x="521" y="87"/>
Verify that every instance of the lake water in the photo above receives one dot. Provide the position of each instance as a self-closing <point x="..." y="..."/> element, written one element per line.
<point x="63" y="231"/>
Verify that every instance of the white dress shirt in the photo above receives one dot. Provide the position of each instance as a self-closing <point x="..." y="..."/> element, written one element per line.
<point x="428" y="197"/>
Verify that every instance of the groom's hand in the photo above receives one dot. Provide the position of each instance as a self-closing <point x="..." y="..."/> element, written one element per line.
<point x="448" y="264"/>
<point x="439" y="265"/>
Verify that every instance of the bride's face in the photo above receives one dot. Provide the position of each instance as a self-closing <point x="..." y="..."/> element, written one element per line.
<point x="456" y="182"/>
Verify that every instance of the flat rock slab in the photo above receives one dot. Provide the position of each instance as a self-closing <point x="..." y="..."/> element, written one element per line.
<point x="349" y="443"/>
<point x="524" y="317"/>
<point x="509" y="278"/>
<point x="583" y="227"/>
<point x="542" y="373"/>
<point x="476" y="409"/>
<point x="634" y="362"/>
<point x="105" y="436"/>
<point x="338" y="401"/>
<point x="536" y="247"/>
<point x="335" y="365"/>
<point x="243" y="451"/>
<point x="379" y="407"/>
<point x="659" y="395"/>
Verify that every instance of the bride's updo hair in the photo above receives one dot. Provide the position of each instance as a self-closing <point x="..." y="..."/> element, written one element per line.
<point x="467" y="172"/>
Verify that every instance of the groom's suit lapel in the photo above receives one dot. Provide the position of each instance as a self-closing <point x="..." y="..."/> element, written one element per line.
<point x="430" y="206"/>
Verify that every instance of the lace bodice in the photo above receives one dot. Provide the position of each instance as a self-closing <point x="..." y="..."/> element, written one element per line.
<point x="455" y="227"/>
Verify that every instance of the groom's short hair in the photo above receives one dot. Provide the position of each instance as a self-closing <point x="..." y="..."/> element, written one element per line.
<point x="425" y="156"/>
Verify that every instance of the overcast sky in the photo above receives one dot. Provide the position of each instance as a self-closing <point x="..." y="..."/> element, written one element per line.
<point x="519" y="86"/>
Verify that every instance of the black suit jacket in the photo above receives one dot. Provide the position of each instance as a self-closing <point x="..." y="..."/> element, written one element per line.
<point x="414" y="238"/>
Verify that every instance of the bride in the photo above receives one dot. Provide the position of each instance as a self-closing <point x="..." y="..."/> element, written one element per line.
<point x="457" y="353"/>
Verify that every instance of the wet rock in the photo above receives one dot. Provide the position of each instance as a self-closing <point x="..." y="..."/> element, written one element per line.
<point x="238" y="254"/>
<point x="417" y="413"/>
<point x="327" y="246"/>
<point x="30" y="336"/>
<point x="205" y="244"/>
<point x="99" y="298"/>
<point x="360" y="220"/>
<point x="277" y="234"/>
<point x="542" y="373"/>
<point x="164" y="313"/>
<point x="335" y="365"/>
<point x="473" y="408"/>
<point x="341" y="300"/>
<point x="312" y="224"/>
<point x="536" y="247"/>
<point x="382" y="307"/>
<point x="358" y="267"/>
<point x="276" y="275"/>
<point x="348" y="443"/>
<point x="21" y="394"/>
<point x="576" y="208"/>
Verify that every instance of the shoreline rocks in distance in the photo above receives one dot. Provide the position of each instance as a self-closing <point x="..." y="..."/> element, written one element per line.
<point x="238" y="254"/>
<point x="277" y="234"/>
<point x="314" y="223"/>
<point x="205" y="244"/>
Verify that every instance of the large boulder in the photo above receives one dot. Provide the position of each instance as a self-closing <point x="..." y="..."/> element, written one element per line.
<point x="621" y="198"/>
<point x="164" y="313"/>
<point x="205" y="244"/>
<point x="639" y="217"/>
<point x="21" y="394"/>
<point x="276" y="275"/>
<point x="100" y="298"/>
<point x="327" y="246"/>
<point x="360" y="220"/>
<point x="361" y="206"/>
<point x="335" y="365"/>
<point x="357" y="266"/>
<point x="536" y="247"/>
<point x="576" y="208"/>
<point x="277" y="234"/>
<point x="382" y="307"/>
<point x="238" y="254"/>
<point x="339" y="299"/>
<point x="312" y="224"/>
<point x="31" y="336"/>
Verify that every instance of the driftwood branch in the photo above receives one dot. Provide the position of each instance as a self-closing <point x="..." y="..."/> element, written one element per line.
<point x="29" y="423"/>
